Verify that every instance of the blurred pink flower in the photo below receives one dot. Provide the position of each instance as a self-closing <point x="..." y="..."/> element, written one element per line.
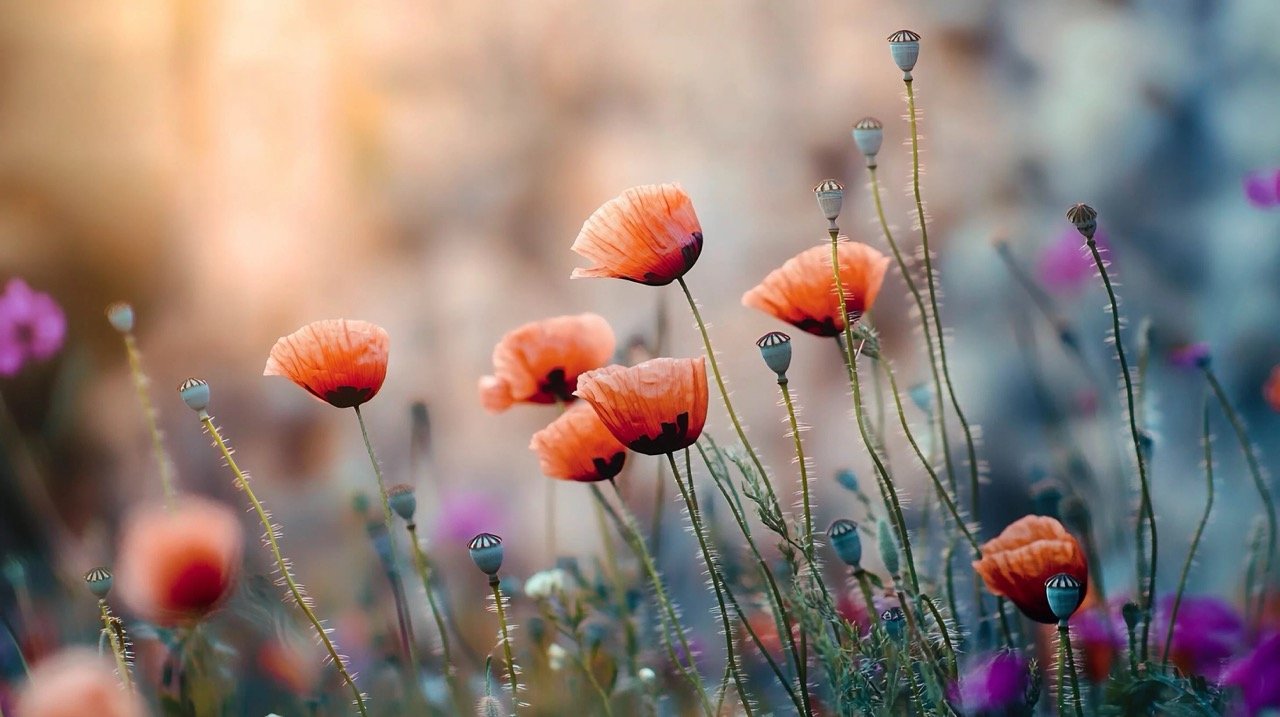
<point x="1258" y="677"/>
<point x="465" y="514"/>
<point x="76" y="683"/>
<point x="32" y="327"/>
<point x="1262" y="188"/>
<point x="994" y="684"/>
<point x="1065" y="266"/>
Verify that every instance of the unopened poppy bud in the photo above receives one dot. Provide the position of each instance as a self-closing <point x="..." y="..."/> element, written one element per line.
<point x="830" y="194"/>
<point x="1064" y="595"/>
<point x="888" y="547"/>
<point x="120" y="315"/>
<point x="775" y="349"/>
<point x="845" y="540"/>
<point x="381" y="540"/>
<point x="1085" y="218"/>
<point x="646" y="676"/>
<point x="486" y="553"/>
<point x="868" y="134"/>
<point x="847" y="480"/>
<point x="1131" y="614"/>
<point x="360" y="502"/>
<point x="894" y="620"/>
<point x="195" y="393"/>
<point x="402" y="501"/>
<point x="99" y="582"/>
<point x="904" y="45"/>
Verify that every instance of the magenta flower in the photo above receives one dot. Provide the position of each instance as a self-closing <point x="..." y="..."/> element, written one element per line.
<point x="1207" y="634"/>
<point x="32" y="327"/>
<point x="1190" y="355"/>
<point x="1262" y="188"/>
<point x="1065" y="266"/>
<point x="465" y="514"/>
<point x="1258" y="677"/>
<point x="992" y="684"/>
<point x="1099" y="637"/>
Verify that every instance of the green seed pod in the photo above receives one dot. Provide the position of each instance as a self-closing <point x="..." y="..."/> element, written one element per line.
<point x="1064" y="595"/>
<point x="99" y="582"/>
<point x="486" y="553"/>
<point x="846" y="541"/>
<point x="120" y="315"/>
<point x="775" y="349"/>
<point x="402" y="501"/>
<point x="195" y="393"/>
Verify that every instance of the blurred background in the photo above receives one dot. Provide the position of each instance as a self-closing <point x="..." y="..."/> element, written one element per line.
<point x="237" y="169"/>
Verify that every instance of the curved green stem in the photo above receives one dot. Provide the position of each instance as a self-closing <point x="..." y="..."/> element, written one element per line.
<point x="512" y="677"/>
<point x="423" y="566"/>
<point x="1207" y="443"/>
<point x="110" y="625"/>
<point x="149" y="412"/>
<point x="1137" y="445"/>
<point x="270" y="533"/>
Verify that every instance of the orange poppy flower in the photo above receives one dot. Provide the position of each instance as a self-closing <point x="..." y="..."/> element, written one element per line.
<point x="578" y="446"/>
<point x="656" y="407"/>
<point x="338" y="361"/>
<point x="1016" y="563"/>
<point x="180" y="565"/>
<point x="649" y="235"/>
<point x="540" y="361"/>
<point x="803" y="291"/>
<point x="1271" y="391"/>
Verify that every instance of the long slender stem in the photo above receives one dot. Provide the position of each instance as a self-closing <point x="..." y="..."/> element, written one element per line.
<point x="1137" y="444"/>
<point x="1259" y="481"/>
<point x="273" y="545"/>
<point x="724" y="392"/>
<point x="717" y="580"/>
<point x="423" y="566"/>
<point x="149" y="412"/>
<point x="1064" y="645"/>
<point x="946" y="634"/>
<point x="110" y="624"/>
<point x="512" y="677"/>
<point x="1207" y="442"/>
<point x="974" y="482"/>
<point x="864" y="585"/>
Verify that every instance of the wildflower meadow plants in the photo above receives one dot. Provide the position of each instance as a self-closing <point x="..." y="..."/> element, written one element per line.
<point x="891" y="609"/>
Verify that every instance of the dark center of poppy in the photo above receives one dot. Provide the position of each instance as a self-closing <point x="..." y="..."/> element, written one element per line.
<point x="557" y="386"/>
<point x="608" y="469"/>
<point x="348" y="396"/>
<point x="197" y="587"/>
<point x="673" y="437"/>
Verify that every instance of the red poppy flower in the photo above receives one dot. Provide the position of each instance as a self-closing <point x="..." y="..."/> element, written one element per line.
<point x="803" y="291"/>
<point x="649" y="235"/>
<point x="1016" y="563"/>
<point x="338" y="361"/>
<point x="1271" y="391"/>
<point x="578" y="446"/>
<point x="540" y="361"/>
<point x="655" y="408"/>
<point x="179" y="565"/>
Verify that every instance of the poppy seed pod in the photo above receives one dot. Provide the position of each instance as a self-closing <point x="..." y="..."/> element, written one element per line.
<point x="868" y="133"/>
<point x="1084" y="217"/>
<point x="1131" y="614"/>
<point x="775" y="349"/>
<point x="847" y="479"/>
<point x="403" y="501"/>
<point x="830" y="194"/>
<point x="486" y="553"/>
<point x="1064" y="595"/>
<point x="894" y="620"/>
<point x="99" y="582"/>
<point x="888" y="547"/>
<point x="195" y="393"/>
<point x="904" y="45"/>
<point x="846" y="541"/>
<point x="120" y="315"/>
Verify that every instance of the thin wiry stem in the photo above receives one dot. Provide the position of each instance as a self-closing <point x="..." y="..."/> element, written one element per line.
<point x="111" y="626"/>
<point x="1259" y="481"/>
<point x="149" y="413"/>
<point x="512" y="675"/>
<point x="1137" y="444"/>
<point x="974" y="482"/>
<point x="946" y="634"/>
<point x="717" y="581"/>
<point x="1207" y="442"/>
<point x="807" y="541"/>
<point x="282" y="565"/>
<point x="423" y="566"/>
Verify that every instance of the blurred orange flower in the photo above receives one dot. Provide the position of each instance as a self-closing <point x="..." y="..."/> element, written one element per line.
<point x="540" y="361"/>
<point x="179" y="565"/>
<point x="339" y="361"/>
<point x="803" y="291"/>
<point x="656" y="407"/>
<point x="1271" y="391"/>
<point x="578" y="446"/>
<point x="1016" y="563"/>
<point x="648" y="234"/>
<point x="76" y="682"/>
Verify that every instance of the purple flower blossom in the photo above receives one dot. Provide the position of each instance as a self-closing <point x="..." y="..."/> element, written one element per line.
<point x="1190" y="355"/>
<point x="466" y="514"/>
<point x="1099" y="636"/>
<point x="32" y="327"/>
<point x="1262" y="188"/>
<point x="992" y="684"/>
<point x="1207" y="633"/>
<point x="1065" y="266"/>
<point x="1258" y="677"/>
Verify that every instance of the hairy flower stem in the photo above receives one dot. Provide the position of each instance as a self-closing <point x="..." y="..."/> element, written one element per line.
<point x="946" y="634"/>
<point x="423" y="566"/>
<point x="930" y="282"/>
<point x="939" y="415"/>
<point x="114" y="631"/>
<point x="1259" y="481"/>
<point x="807" y="541"/>
<point x="512" y="676"/>
<point x="718" y="583"/>
<point x="286" y="573"/>
<point x="1137" y="446"/>
<point x="1207" y="443"/>
<point x="1065" y="649"/>
<point x="149" y="412"/>
<point x="627" y="525"/>
<point x="883" y="480"/>
<point x="402" y="609"/>
<point x="864" y="585"/>
<point x="724" y="392"/>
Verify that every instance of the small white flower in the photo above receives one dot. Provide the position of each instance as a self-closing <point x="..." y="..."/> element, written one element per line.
<point x="556" y="656"/>
<point x="646" y="676"/>
<point x="543" y="585"/>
